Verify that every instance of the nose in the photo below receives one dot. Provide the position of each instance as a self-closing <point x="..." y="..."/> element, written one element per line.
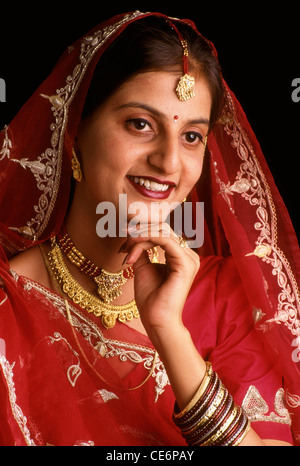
<point x="165" y="156"/>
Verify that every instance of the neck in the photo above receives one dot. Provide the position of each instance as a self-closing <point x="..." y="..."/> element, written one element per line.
<point x="103" y="252"/>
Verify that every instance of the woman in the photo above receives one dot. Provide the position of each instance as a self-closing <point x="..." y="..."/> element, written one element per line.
<point x="99" y="344"/>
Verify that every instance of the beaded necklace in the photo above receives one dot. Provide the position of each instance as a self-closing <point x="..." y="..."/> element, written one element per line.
<point x="109" y="313"/>
<point x="109" y="285"/>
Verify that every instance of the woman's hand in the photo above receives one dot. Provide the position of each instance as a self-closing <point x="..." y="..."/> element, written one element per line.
<point x="161" y="289"/>
<point x="160" y="293"/>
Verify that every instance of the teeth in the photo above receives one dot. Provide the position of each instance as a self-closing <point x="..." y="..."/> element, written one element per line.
<point x="151" y="185"/>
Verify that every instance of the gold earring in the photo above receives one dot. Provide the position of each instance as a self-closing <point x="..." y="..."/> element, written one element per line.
<point x="77" y="174"/>
<point x="184" y="200"/>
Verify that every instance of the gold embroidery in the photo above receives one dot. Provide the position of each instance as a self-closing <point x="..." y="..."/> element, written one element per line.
<point x="107" y="396"/>
<point x="56" y="101"/>
<point x="292" y="400"/>
<point x="224" y="188"/>
<point x="47" y="168"/>
<point x="17" y="412"/>
<point x="6" y="146"/>
<point x="4" y="300"/>
<point x="257" y="314"/>
<point x="26" y="232"/>
<point x="257" y="408"/>
<point x="108" y="348"/>
<point x="251" y="184"/>
<point x="74" y="370"/>
<point x="262" y="250"/>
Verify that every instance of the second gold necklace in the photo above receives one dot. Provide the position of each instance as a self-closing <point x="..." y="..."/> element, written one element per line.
<point x="108" y="313"/>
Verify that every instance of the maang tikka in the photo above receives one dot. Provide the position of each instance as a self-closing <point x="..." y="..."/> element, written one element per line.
<point x="185" y="87"/>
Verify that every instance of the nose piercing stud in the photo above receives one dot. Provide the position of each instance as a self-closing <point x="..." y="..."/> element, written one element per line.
<point x="176" y="117"/>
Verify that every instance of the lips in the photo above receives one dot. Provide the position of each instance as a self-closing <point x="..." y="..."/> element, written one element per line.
<point x="152" y="187"/>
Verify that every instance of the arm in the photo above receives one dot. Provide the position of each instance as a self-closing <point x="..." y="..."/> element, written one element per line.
<point x="161" y="292"/>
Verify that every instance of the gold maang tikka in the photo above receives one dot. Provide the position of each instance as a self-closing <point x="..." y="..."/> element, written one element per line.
<point x="185" y="87"/>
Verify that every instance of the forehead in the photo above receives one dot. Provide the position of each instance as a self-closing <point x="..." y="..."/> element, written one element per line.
<point x="157" y="89"/>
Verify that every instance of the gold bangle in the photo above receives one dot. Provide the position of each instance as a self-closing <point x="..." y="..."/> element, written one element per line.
<point x="199" y="392"/>
<point x="242" y="435"/>
<point x="221" y="396"/>
<point x="235" y="411"/>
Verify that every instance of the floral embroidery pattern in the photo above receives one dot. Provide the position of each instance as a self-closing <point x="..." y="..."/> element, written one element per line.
<point x="107" y="395"/>
<point x="74" y="370"/>
<point x="6" y="146"/>
<point x="251" y="184"/>
<point x="47" y="168"/>
<point x="16" y="410"/>
<point x="257" y="408"/>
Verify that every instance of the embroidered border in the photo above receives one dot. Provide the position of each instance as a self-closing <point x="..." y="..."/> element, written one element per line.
<point x="47" y="168"/>
<point x="15" y="408"/>
<point x="252" y="185"/>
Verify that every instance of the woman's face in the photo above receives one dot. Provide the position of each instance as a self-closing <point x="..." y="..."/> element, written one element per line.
<point x="144" y="142"/>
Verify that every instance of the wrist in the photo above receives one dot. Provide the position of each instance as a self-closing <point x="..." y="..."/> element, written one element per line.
<point x="171" y="337"/>
<point x="183" y="363"/>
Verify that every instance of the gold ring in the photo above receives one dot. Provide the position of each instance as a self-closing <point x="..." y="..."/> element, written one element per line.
<point x="182" y="242"/>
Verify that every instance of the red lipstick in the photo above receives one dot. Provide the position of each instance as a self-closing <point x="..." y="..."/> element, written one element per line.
<point x="153" y="194"/>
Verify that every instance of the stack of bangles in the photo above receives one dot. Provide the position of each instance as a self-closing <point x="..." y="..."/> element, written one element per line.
<point x="212" y="418"/>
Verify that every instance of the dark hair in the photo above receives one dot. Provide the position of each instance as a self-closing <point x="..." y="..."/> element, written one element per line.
<point x="152" y="44"/>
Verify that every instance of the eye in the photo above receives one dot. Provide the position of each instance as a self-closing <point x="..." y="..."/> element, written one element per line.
<point x="192" y="137"/>
<point x="139" y="124"/>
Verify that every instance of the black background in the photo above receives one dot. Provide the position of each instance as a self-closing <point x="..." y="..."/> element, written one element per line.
<point x="258" y="47"/>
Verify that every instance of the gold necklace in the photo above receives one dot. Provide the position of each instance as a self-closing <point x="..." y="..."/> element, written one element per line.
<point x="109" y="285"/>
<point x="109" y="313"/>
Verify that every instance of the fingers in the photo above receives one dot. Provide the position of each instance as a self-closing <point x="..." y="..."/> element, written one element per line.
<point x="176" y="250"/>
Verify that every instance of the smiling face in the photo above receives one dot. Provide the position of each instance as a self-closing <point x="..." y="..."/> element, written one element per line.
<point x="143" y="142"/>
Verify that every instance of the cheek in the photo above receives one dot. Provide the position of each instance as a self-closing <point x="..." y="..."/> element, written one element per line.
<point x="192" y="172"/>
<point x="100" y="153"/>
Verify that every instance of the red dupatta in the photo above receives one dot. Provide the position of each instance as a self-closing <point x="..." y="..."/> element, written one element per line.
<point x="245" y="215"/>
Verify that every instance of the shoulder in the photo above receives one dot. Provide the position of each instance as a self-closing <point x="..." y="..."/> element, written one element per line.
<point x="31" y="264"/>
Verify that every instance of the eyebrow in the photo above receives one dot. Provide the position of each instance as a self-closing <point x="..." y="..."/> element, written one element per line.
<point x="156" y="112"/>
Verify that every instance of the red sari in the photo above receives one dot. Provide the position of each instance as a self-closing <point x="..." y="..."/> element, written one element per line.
<point x="79" y="384"/>
<point x="63" y="390"/>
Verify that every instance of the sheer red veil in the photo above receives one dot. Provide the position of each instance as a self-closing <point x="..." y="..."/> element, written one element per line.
<point x="244" y="213"/>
